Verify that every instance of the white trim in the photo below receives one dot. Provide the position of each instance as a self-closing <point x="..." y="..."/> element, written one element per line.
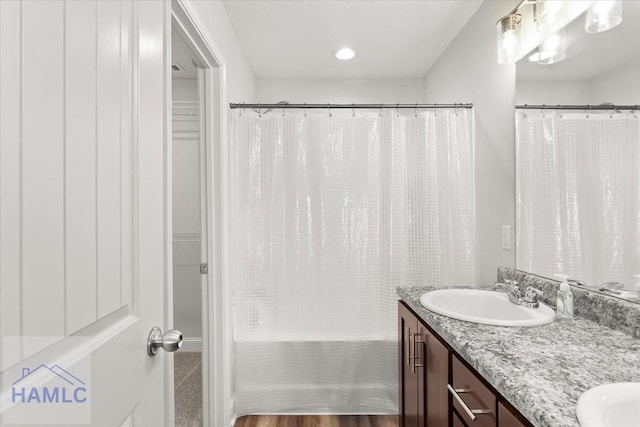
<point x="216" y="391"/>
<point x="169" y="389"/>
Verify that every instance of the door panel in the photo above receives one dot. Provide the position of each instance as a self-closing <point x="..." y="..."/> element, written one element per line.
<point x="80" y="155"/>
<point x="83" y="210"/>
<point x="10" y="181"/>
<point x="108" y="148"/>
<point x="41" y="105"/>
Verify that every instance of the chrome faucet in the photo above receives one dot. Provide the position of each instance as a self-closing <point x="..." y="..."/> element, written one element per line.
<point x="510" y="287"/>
<point x="527" y="299"/>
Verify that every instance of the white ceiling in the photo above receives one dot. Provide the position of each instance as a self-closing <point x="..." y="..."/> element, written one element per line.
<point x="590" y="55"/>
<point x="393" y="38"/>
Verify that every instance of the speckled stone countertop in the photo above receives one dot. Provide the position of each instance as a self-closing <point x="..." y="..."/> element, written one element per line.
<point x="543" y="370"/>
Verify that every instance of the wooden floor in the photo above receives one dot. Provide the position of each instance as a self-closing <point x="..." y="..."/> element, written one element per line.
<point x="318" y="421"/>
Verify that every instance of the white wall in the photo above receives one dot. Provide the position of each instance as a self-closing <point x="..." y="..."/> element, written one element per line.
<point x="552" y="92"/>
<point x="340" y="90"/>
<point x="618" y="86"/>
<point x="184" y="89"/>
<point x="468" y="71"/>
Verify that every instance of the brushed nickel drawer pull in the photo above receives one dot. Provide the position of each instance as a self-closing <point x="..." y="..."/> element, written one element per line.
<point x="470" y="412"/>
<point x="418" y="361"/>
<point x="408" y="351"/>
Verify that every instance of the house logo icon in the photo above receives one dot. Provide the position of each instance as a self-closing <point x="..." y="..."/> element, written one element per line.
<point x="61" y="386"/>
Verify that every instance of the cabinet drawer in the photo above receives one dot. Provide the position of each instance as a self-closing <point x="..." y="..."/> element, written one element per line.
<point x="456" y="421"/>
<point x="467" y="390"/>
<point x="508" y="417"/>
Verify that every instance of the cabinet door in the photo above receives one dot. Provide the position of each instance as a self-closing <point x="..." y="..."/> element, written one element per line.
<point x="436" y="377"/>
<point x="409" y="376"/>
<point x="508" y="418"/>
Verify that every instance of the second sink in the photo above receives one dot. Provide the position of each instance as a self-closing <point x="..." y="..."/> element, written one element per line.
<point x="486" y="307"/>
<point x="610" y="405"/>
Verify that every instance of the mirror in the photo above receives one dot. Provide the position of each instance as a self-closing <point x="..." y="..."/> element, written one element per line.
<point x="578" y="168"/>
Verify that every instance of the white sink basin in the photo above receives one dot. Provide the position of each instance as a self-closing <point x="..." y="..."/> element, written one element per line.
<point x="610" y="405"/>
<point x="487" y="307"/>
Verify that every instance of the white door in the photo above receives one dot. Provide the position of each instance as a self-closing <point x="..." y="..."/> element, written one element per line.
<point x="84" y="224"/>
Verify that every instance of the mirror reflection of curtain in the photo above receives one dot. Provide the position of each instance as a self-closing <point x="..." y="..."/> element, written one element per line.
<point x="330" y="215"/>
<point x="578" y="194"/>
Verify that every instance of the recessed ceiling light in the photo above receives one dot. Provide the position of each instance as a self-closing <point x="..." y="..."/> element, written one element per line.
<point x="344" y="53"/>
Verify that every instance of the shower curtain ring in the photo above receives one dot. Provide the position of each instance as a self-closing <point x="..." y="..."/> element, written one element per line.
<point x="353" y="110"/>
<point x="397" y="113"/>
<point x="415" y="111"/>
<point x="329" y="108"/>
<point x="380" y="113"/>
<point x="305" y="109"/>
<point x="259" y="110"/>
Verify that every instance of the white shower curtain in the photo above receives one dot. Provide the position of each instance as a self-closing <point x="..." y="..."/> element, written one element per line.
<point x="332" y="211"/>
<point x="578" y="194"/>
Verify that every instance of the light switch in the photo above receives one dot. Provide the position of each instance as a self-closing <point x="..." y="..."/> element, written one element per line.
<point x="507" y="237"/>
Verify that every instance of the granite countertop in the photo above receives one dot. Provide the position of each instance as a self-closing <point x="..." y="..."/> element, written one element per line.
<point x="542" y="370"/>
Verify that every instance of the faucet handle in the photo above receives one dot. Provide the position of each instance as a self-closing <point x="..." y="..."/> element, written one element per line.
<point x="576" y="282"/>
<point x="532" y="294"/>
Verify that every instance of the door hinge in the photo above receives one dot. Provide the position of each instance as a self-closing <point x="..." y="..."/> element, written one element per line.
<point x="204" y="268"/>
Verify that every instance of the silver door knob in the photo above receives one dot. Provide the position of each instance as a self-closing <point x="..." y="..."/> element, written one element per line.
<point x="169" y="341"/>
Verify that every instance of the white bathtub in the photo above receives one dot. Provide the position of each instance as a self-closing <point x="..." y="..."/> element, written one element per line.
<point x="314" y="377"/>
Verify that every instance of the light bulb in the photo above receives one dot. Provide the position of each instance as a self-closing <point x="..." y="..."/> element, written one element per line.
<point x="603" y="15"/>
<point x="508" y="32"/>
<point x="552" y="49"/>
<point x="510" y="42"/>
<point x="550" y="15"/>
<point x="551" y="43"/>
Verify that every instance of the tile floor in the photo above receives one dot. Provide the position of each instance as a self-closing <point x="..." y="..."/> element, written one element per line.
<point x="187" y="376"/>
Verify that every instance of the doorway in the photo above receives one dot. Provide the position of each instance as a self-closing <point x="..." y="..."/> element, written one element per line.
<point x="189" y="247"/>
<point x="199" y="120"/>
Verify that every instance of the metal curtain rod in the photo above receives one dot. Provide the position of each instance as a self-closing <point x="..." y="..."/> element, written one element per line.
<point x="578" y="107"/>
<point x="346" y="106"/>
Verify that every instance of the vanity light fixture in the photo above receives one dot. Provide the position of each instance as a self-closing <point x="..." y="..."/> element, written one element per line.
<point x="550" y="15"/>
<point x="508" y="30"/>
<point x="603" y="15"/>
<point x="552" y="50"/>
<point x="344" y="53"/>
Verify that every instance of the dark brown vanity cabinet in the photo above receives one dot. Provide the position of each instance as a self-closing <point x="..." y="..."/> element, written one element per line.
<point x="438" y="389"/>
<point x="423" y="373"/>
